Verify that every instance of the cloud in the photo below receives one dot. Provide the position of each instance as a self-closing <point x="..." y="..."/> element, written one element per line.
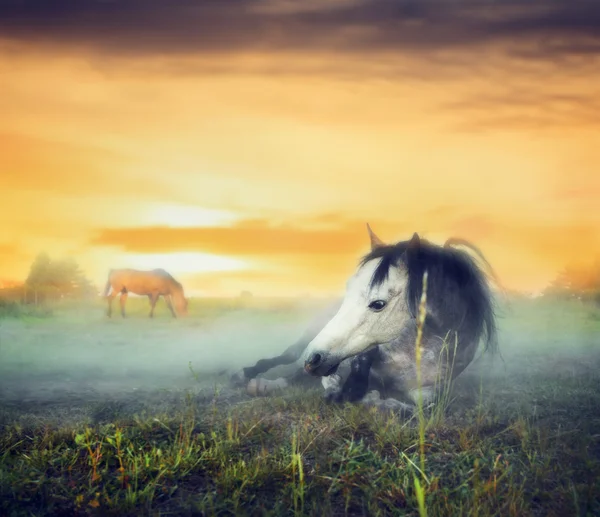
<point x="491" y="65"/>
<point x="511" y="45"/>
<point x="256" y="237"/>
<point x="320" y="253"/>
<point x="303" y="241"/>
<point x="530" y="108"/>
<point x="547" y="29"/>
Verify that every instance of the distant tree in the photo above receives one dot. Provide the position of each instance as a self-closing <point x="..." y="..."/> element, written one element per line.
<point x="39" y="275"/>
<point x="576" y="282"/>
<point x="57" y="279"/>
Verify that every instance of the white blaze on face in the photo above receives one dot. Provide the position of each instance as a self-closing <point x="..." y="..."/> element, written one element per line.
<point x="366" y="318"/>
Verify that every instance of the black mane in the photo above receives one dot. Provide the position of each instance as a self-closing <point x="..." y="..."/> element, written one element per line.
<point x="458" y="293"/>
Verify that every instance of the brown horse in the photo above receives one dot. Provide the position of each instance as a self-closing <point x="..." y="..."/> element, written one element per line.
<point x="150" y="283"/>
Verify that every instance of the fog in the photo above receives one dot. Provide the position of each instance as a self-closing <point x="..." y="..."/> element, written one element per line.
<point x="78" y="356"/>
<point x="83" y="341"/>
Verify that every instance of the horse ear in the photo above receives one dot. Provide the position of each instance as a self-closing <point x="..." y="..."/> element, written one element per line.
<point x="376" y="242"/>
<point x="415" y="242"/>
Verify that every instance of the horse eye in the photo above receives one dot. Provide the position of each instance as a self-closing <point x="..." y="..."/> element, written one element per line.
<point x="377" y="305"/>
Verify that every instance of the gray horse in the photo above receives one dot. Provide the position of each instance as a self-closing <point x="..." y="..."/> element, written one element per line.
<point x="367" y="340"/>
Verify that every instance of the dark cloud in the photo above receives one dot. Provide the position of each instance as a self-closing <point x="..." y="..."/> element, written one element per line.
<point x="507" y="46"/>
<point x="532" y="108"/>
<point x="547" y="29"/>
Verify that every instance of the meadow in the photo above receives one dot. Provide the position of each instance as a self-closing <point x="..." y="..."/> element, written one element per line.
<point x="136" y="417"/>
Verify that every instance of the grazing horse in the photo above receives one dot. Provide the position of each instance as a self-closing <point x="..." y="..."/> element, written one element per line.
<point x="150" y="283"/>
<point x="374" y="331"/>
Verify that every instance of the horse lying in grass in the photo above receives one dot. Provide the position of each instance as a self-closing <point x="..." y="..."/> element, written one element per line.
<point x="153" y="284"/>
<point x="372" y="333"/>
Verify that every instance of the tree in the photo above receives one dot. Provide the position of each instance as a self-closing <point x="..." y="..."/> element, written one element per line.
<point x="579" y="282"/>
<point x="39" y="275"/>
<point x="57" y="279"/>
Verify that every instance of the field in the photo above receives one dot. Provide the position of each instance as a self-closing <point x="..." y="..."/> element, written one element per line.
<point x="135" y="417"/>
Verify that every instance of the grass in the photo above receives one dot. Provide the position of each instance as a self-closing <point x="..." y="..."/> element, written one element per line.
<point x="12" y="309"/>
<point x="420" y="323"/>
<point x="518" y="438"/>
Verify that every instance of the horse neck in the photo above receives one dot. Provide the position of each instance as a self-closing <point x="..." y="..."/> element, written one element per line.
<point x="177" y="292"/>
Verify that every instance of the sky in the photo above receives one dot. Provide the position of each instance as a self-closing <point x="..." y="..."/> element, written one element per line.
<point x="244" y="144"/>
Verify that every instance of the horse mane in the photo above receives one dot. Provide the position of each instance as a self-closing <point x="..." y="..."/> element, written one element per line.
<point x="457" y="289"/>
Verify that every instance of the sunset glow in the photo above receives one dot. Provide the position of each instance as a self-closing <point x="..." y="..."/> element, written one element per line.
<point x="184" y="262"/>
<point x="256" y="153"/>
<point x="187" y="216"/>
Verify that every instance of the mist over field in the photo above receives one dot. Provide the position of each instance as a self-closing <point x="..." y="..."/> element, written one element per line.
<point x="79" y="349"/>
<point x="78" y="352"/>
<point x="73" y="380"/>
<point x="87" y="341"/>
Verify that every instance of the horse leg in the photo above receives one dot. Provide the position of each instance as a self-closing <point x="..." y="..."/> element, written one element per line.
<point x="153" y="299"/>
<point x="299" y="377"/>
<point x="109" y="299"/>
<point x="169" y="303"/>
<point x="357" y="383"/>
<point x="373" y="399"/>
<point x="290" y="355"/>
<point x="262" y="387"/>
<point x="431" y="372"/>
<point x="259" y="386"/>
<point x="122" y="300"/>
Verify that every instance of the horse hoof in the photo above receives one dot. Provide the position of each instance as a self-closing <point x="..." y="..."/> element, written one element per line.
<point x="262" y="387"/>
<point x="252" y="388"/>
<point x="331" y="382"/>
<point x="371" y="398"/>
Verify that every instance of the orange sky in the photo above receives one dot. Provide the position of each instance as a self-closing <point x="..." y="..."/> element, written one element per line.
<point x="243" y="161"/>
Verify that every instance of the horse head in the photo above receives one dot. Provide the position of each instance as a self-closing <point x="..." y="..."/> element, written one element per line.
<point x="374" y="309"/>
<point x="181" y="305"/>
<point x="382" y="298"/>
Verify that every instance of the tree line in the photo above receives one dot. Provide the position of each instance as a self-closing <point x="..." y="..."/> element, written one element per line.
<point x="55" y="279"/>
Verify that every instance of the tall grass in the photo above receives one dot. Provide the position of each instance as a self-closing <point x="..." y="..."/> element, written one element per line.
<point x="442" y="390"/>
<point x="420" y="323"/>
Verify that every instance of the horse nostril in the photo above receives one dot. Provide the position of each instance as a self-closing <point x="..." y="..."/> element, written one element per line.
<point x="313" y="361"/>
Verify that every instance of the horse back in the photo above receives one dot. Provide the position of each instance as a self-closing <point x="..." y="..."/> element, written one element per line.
<point x="142" y="282"/>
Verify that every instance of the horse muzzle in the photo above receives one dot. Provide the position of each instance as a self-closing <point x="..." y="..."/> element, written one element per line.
<point x="320" y="365"/>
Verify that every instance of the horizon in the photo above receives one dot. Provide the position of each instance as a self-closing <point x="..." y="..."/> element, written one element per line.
<point x="233" y="294"/>
<point x="251" y="158"/>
